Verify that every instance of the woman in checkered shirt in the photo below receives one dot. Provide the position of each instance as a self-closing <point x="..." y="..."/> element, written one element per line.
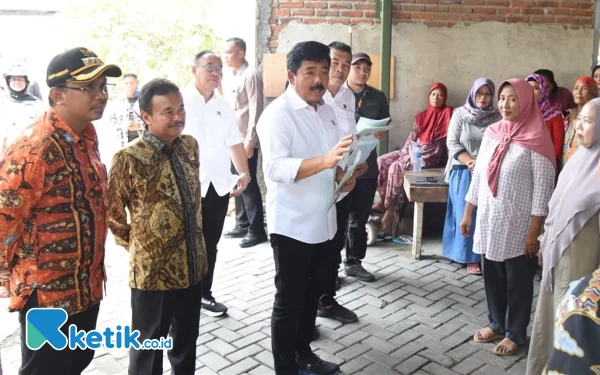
<point x="512" y="183"/>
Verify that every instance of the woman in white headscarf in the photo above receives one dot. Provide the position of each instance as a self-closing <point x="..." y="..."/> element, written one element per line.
<point x="571" y="240"/>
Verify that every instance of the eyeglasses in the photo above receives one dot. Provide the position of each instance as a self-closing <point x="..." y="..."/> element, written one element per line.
<point x="212" y="68"/>
<point x="480" y="94"/>
<point x="90" y="89"/>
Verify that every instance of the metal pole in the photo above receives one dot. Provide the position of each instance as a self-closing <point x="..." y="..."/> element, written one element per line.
<point x="386" y="54"/>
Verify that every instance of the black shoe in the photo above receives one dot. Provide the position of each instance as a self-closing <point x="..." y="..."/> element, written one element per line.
<point x="357" y="270"/>
<point x="315" y="335"/>
<point x="252" y="240"/>
<point x="336" y="312"/>
<point x="212" y="307"/>
<point x="236" y="232"/>
<point x="338" y="283"/>
<point x="316" y="366"/>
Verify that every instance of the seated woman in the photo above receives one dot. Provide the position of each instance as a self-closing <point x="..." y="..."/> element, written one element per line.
<point x="430" y="129"/>
<point x="571" y="241"/>
<point x="512" y="184"/>
<point x="465" y="133"/>
<point x="551" y="114"/>
<point x="585" y="89"/>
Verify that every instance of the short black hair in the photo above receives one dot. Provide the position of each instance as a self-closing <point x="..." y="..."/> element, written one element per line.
<point x="307" y="51"/>
<point x="594" y="70"/>
<point x="132" y="75"/>
<point x="549" y="75"/>
<point x="156" y="87"/>
<point x="200" y="54"/>
<point x="239" y="43"/>
<point x="340" y="46"/>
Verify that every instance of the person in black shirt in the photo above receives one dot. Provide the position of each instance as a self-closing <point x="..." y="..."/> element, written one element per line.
<point x="370" y="103"/>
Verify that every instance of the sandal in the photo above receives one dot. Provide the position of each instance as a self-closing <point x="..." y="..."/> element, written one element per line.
<point x="505" y="347"/>
<point x="474" y="269"/>
<point x="486" y="335"/>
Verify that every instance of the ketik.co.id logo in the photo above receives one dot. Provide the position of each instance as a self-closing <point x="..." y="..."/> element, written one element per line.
<point x="44" y="326"/>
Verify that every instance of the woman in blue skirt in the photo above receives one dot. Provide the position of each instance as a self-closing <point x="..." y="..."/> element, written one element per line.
<point x="465" y="133"/>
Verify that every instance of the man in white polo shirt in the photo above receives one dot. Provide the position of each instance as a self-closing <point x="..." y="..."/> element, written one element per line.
<point x="302" y="151"/>
<point x="212" y="122"/>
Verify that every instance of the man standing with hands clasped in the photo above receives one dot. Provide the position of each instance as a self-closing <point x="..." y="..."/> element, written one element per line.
<point x="302" y="153"/>
<point x="244" y="87"/>
<point x="212" y="122"/>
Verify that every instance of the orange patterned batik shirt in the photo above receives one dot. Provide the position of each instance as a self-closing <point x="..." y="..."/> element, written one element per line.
<point x="53" y="224"/>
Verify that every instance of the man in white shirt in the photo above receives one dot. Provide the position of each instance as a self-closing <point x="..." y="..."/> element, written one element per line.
<point x="341" y="99"/>
<point x="212" y="122"/>
<point x="243" y="88"/>
<point x="302" y="150"/>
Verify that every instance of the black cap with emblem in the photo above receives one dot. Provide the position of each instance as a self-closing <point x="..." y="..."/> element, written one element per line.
<point x="78" y="65"/>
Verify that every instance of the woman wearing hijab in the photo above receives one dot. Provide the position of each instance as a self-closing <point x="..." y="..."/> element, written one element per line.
<point x="551" y="114"/>
<point x="596" y="75"/>
<point x="467" y="125"/>
<point x="585" y="89"/>
<point x="430" y="129"/>
<point x="571" y="240"/>
<point x="560" y="97"/>
<point x="512" y="184"/>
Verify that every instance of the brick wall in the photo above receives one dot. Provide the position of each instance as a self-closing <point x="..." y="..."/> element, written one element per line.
<point x="433" y="13"/>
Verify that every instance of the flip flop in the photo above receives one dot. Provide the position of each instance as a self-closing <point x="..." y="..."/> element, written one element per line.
<point x="493" y="337"/>
<point x="474" y="269"/>
<point x="508" y="344"/>
<point x="382" y="236"/>
<point x="403" y="240"/>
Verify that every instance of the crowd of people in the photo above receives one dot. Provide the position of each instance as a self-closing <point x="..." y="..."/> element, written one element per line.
<point x="523" y="192"/>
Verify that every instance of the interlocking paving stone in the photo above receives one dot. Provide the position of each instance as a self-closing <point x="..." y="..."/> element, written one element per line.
<point x="353" y="351"/>
<point x="377" y="369"/>
<point x="241" y="367"/>
<point x="461" y="352"/>
<point x="434" y="368"/>
<point x="412" y="364"/>
<point x="355" y="365"/>
<point x="491" y="370"/>
<point x="468" y="365"/>
<point x="437" y="357"/>
<point x="214" y="361"/>
<point x="248" y="351"/>
<point x="262" y="370"/>
<point x="379" y="344"/>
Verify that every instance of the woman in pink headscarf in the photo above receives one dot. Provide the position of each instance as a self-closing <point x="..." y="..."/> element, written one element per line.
<point x="511" y="186"/>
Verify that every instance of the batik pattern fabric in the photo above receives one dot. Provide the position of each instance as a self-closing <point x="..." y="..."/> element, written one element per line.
<point x="160" y="187"/>
<point x="577" y="330"/>
<point x="53" y="225"/>
<point x="392" y="165"/>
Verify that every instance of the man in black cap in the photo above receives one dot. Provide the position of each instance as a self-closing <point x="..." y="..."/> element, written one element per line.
<point x="53" y="195"/>
<point x="370" y="103"/>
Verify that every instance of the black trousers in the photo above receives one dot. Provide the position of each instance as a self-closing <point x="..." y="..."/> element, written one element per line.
<point x="361" y="202"/>
<point x="47" y="360"/>
<point x="301" y="270"/>
<point x="339" y="242"/>
<point x="249" y="212"/>
<point x="214" y="210"/>
<point x="509" y="295"/>
<point x="157" y="314"/>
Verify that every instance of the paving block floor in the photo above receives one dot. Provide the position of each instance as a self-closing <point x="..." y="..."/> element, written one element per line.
<point x="417" y="318"/>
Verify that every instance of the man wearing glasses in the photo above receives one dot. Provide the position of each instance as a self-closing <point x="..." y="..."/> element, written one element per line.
<point x="53" y="196"/>
<point x="213" y="123"/>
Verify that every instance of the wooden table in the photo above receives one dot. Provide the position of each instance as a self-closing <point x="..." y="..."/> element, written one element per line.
<point x="421" y="193"/>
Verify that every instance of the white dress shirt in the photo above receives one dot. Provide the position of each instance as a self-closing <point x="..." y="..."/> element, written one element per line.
<point x="214" y="126"/>
<point x="290" y="131"/>
<point x="344" y="105"/>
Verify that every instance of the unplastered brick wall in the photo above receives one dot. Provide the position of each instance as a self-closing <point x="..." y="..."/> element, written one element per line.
<point x="433" y="13"/>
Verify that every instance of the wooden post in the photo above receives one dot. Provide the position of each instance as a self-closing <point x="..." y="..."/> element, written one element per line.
<point x="418" y="230"/>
